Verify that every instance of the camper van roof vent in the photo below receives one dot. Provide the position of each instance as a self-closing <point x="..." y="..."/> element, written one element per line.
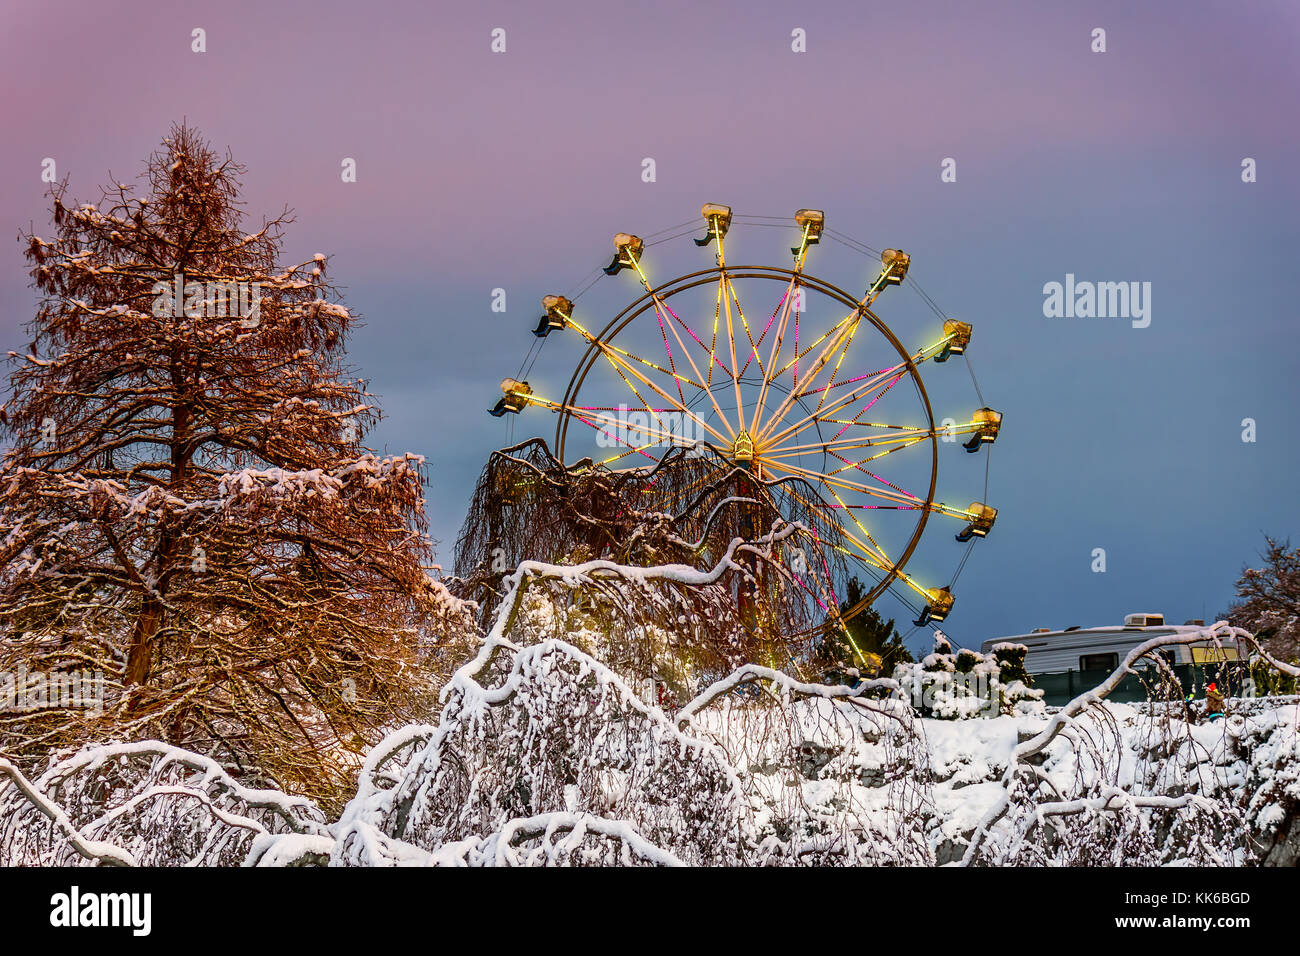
<point x="1144" y="620"/>
<point x="1041" y="630"/>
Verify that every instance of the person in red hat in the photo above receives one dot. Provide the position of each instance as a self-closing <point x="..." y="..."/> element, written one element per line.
<point x="1213" y="701"/>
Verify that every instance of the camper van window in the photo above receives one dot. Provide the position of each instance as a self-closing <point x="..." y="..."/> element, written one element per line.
<point x="1098" y="662"/>
<point x="1166" y="654"/>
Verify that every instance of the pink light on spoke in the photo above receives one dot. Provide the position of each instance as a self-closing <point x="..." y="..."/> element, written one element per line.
<point x="799" y="581"/>
<point x="830" y="585"/>
<point x="617" y="439"/>
<point x="691" y="333"/>
<point x="795" y="382"/>
<point x="753" y="353"/>
<point x="896" y="380"/>
<point x="873" y="507"/>
<point x="621" y="408"/>
<point x="854" y="464"/>
<point x="667" y="348"/>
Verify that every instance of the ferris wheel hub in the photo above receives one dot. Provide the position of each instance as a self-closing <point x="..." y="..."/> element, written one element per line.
<point x="742" y="449"/>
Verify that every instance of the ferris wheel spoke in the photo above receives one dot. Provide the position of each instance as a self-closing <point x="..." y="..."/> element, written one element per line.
<point x="928" y="594"/>
<point x="916" y="359"/>
<point x="604" y="463"/>
<point x="873" y="549"/>
<point x="688" y="491"/>
<point x="915" y="499"/>
<point x="726" y="293"/>
<point x="631" y="449"/>
<point x="904" y="443"/>
<point x="818" y="505"/>
<point x="964" y="514"/>
<point x="644" y="404"/>
<point x="615" y="357"/>
<point x="844" y="383"/>
<point x="888" y="567"/>
<point x="857" y="419"/>
<point x="848" y="342"/>
<point x="784" y="307"/>
<point x="833" y="330"/>
<point x="661" y="436"/>
<point x="660" y="307"/>
<point x="903" y="433"/>
<point x="731" y="342"/>
<point x="682" y="407"/>
<point x="709" y="392"/>
<point x="609" y="349"/>
<point x="584" y="414"/>
<point x="920" y="504"/>
<point x="860" y="391"/>
<point x="868" y="386"/>
<point x="812" y="229"/>
<point x="869" y="550"/>
<point x="671" y="364"/>
<point x="754" y="353"/>
<point x="823" y="359"/>
<point x="753" y="346"/>
<point x="826" y="600"/>
<point x="844" y="484"/>
<point x="713" y="348"/>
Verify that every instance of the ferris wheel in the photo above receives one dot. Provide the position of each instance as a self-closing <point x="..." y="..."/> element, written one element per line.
<point x="781" y="374"/>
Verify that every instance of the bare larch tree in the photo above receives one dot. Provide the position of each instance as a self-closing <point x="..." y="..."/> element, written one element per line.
<point x="186" y="505"/>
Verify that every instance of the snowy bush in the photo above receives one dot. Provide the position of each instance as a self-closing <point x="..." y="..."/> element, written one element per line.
<point x="969" y="684"/>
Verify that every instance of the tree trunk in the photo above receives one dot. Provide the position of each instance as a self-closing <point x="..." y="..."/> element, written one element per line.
<point x="139" y="660"/>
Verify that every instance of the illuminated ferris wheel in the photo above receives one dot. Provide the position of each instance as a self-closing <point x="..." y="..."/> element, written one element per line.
<point x="783" y="375"/>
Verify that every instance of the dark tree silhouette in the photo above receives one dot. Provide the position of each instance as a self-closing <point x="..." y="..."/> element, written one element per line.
<point x="869" y="633"/>
<point x="1269" y="600"/>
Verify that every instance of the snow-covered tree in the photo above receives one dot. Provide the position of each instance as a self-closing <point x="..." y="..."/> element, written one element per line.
<point x="187" y="507"/>
<point x="687" y="510"/>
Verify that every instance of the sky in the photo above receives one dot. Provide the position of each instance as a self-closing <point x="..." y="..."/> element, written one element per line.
<point x="479" y="170"/>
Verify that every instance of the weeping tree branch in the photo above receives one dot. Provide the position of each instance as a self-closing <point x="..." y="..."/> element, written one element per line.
<point x="1066" y="718"/>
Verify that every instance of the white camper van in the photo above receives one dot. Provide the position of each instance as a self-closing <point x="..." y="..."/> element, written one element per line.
<point x="1102" y="648"/>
